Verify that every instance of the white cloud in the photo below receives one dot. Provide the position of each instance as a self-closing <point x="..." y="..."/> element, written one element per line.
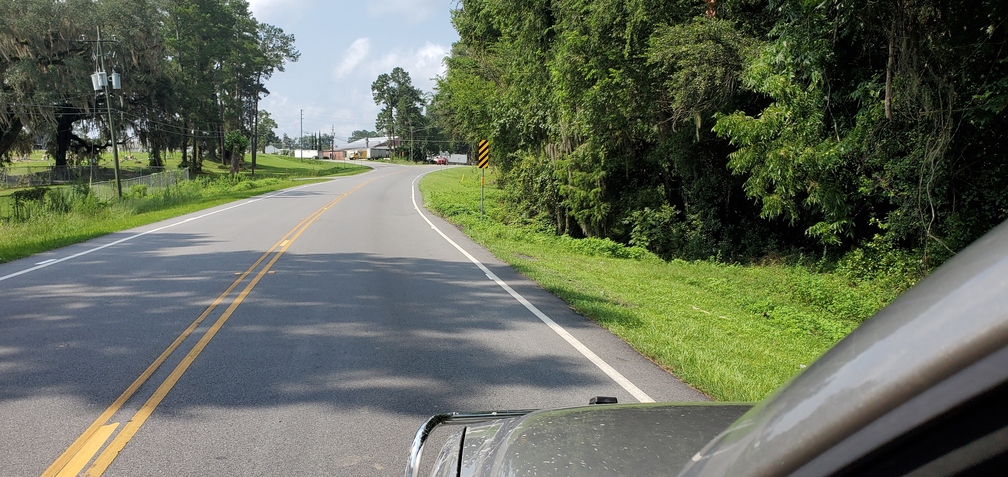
<point x="415" y="11"/>
<point x="259" y="6"/>
<point x="430" y="60"/>
<point x="332" y="81"/>
<point x="422" y="64"/>
<point x="386" y="62"/>
<point x="353" y="56"/>
<point x="278" y="100"/>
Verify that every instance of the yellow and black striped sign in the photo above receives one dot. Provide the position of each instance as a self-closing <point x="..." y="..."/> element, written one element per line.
<point x="484" y="154"/>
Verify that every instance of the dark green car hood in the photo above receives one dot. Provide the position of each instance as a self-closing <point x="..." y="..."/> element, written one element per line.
<point x="601" y="440"/>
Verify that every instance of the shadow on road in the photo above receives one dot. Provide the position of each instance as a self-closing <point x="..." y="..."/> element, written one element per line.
<point x="348" y="330"/>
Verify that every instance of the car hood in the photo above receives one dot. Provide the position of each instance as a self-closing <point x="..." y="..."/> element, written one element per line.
<point x="602" y="440"/>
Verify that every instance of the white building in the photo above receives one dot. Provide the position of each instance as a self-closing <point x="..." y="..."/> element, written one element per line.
<point x="306" y="153"/>
<point x="367" y="148"/>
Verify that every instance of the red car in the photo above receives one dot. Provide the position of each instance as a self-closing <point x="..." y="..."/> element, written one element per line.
<point x="441" y="160"/>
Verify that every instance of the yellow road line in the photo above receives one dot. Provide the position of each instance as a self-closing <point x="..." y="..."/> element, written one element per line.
<point x="96" y="429"/>
<point x="74" y="448"/>
<point x="87" y="451"/>
<point x="138" y="419"/>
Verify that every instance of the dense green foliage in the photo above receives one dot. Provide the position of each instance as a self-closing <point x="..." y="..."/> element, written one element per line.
<point x="192" y="71"/>
<point x="771" y="126"/>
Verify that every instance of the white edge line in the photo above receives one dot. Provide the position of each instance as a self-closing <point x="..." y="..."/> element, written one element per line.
<point x="625" y="383"/>
<point x="54" y="261"/>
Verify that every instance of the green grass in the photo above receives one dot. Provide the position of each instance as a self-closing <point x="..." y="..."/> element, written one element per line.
<point x="273" y="164"/>
<point x="35" y="163"/>
<point x="733" y="332"/>
<point x="69" y="215"/>
<point x="265" y="164"/>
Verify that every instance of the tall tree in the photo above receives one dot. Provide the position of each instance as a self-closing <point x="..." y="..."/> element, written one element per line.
<point x="144" y="102"/>
<point x="220" y="57"/>
<point x="198" y="37"/>
<point x="274" y="51"/>
<point x="267" y="131"/>
<point x="44" y="68"/>
<point x="402" y="104"/>
<point x="361" y="134"/>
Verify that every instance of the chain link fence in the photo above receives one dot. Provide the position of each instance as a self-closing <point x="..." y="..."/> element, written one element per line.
<point x="26" y="177"/>
<point x="32" y="176"/>
<point x="18" y="204"/>
<point x="107" y="189"/>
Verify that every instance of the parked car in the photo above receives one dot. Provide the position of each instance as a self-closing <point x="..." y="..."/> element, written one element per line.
<point x="921" y="388"/>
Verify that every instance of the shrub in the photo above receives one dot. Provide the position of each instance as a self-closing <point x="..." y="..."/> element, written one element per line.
<point x="138" y="191"/>
<point x="655" y="230"/>
<point x="879" y="261"/>
<point x="596" y="247"/>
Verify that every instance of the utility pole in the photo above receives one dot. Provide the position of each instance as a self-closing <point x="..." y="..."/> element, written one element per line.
<point x="100" y="80"/>
<point x="301" y="136"/>
<point x="255" y="124"/>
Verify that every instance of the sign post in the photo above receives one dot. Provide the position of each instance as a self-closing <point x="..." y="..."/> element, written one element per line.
<point x="484" y="161"/>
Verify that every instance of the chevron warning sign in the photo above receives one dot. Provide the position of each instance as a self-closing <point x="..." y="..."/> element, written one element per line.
<point x="484" y="154"/>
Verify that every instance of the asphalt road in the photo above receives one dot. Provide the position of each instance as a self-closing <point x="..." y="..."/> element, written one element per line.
<point x="304" y="332"/>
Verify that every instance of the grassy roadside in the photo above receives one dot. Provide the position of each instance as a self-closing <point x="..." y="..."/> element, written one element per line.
<point x="265" y="164"/>
<point x="734" y="332"/>
<point x="67" y="215"/>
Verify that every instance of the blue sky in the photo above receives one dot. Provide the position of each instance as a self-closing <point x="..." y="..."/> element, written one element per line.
<point x="344" y="46"/>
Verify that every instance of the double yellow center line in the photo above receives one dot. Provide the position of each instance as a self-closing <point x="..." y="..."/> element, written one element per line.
<point x="83" y="449"/>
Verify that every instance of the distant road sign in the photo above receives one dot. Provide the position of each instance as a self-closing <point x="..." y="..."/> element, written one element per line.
<point x="484" y="154"/>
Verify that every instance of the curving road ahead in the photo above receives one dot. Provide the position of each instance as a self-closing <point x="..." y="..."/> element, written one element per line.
<point x="304" y="332"/>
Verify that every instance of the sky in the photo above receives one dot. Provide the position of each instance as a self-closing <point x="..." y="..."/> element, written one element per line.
<point x="344" y="47"/>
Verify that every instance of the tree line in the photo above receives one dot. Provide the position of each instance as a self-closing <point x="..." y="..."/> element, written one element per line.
<point x="740" y="128"/>
<point x="192" y="76"/>
<point x="405" y="116"/>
